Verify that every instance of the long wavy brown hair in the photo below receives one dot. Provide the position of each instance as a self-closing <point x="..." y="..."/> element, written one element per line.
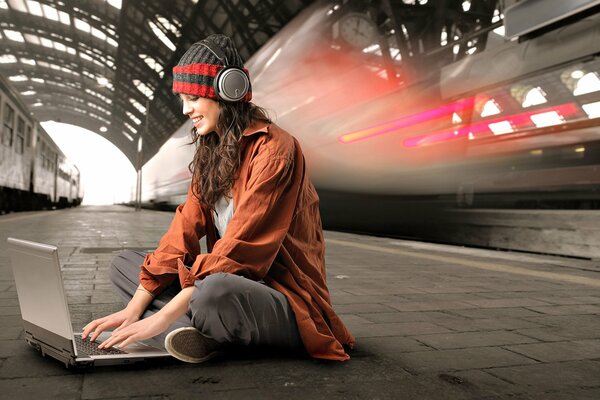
<point x="218" y="157"/>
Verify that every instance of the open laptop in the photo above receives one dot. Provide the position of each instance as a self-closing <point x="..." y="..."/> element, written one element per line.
<point x="45" y="312"/>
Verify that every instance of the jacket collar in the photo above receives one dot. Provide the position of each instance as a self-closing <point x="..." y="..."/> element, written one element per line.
<point x="259" y="126"/>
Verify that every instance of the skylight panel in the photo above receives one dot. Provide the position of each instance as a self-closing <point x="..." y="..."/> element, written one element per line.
<point x="161" y="36"/>
<point x="35" y="8"/>
<point x="18" y="78"/>
<point x="115" y="3"/>
<point x="82" y="25"/>
<point x="15" y="36"/>
<point x="46" y="42"/>
<point x="50" y="12"/>
<point x="60" y="46"/>
<point x="85" y="56"/>
<point x="18" y="5"/>
<point x="128" y="136"/>
<point x="28" y="61"/>
<point x="32" y="38"/>
<point x="145" y="89"/>
<point x="171" y="25"/>
<point x="37" y="80"/>
<point x="64" y="18"/>
<point x="131" y="128"/>
<point x="112" y="42"/>
<point x="137" y="105"/>
<point x="8" y="59"/>
<point x="133" y="117"/>
<point x="28" y="93"/>
<point x="98" y="33"/>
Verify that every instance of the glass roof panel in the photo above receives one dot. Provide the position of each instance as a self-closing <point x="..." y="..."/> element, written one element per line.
<point x="35" y="8"/>
<point x="50" y="12"/>
<point x="64" y="18"/>
<point x="32" y="38"/>
<point x="161" y="36"/>
<point x="14" y="35"/>
<point x="7" y="59"/>
<point x="18" y="5"/>
<point x="115" y="3"/>
<point x="82" y="25"/>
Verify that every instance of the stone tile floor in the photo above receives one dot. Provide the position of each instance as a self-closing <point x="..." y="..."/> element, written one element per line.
<point x="431" y="321"/>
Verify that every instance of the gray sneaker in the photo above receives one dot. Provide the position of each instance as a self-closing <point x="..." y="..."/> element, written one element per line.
<point x="189" y="345"/>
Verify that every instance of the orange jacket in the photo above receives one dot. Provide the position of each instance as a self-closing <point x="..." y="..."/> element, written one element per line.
<point x="275" y="235"/>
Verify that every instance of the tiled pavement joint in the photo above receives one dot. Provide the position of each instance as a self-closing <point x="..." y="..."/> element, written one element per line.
<point x="430" y="323"/>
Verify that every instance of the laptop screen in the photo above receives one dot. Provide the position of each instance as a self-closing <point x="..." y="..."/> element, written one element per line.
<point x="38" y="278"/>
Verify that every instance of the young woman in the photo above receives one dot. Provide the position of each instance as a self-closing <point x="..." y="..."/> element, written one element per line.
<point x="262" y="280"/>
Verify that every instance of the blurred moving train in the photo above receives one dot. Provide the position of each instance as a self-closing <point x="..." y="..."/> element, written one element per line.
<point x="34" y="173"/>
<point x="512" y="124"/>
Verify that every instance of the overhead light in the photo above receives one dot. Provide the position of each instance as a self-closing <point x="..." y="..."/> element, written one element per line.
<point x="28" y="93"/>
<point x="466" y="5"/>
<point x="580" y="149"/>
<point x="103" y="129"/>
<point x="102" y="81"/>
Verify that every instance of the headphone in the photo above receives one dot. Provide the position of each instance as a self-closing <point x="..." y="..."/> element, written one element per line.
<point x="231" y="83"/>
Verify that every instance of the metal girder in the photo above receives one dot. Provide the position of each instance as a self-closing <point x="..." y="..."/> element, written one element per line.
<point x="91" y="60"/>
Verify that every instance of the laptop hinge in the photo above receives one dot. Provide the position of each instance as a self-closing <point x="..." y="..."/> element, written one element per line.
<point x="50" y="343"/>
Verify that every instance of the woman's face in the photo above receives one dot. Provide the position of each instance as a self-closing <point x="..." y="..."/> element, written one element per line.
<point x="203" y="112"/>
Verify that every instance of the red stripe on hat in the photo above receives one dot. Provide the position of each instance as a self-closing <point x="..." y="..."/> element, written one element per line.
<point x="198" y="69"/>
<point x="194" y="89"/>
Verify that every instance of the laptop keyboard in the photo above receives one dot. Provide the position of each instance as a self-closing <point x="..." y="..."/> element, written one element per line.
<point x="91" y="348"/>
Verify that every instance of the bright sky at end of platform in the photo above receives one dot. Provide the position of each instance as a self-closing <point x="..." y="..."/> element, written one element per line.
<point x="107" y="175"/>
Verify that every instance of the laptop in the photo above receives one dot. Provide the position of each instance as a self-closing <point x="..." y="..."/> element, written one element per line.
<point x="45" y="312"/>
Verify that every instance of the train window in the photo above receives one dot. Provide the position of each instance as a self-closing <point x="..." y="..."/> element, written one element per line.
<point x="8" y="125"/>
<point x="20" y="139"/>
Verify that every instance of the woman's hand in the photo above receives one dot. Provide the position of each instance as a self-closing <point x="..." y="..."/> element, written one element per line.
<point x="120" y="319"/>
<point x="140" y="330"/>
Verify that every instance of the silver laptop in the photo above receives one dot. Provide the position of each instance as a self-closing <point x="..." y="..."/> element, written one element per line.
<point x="45" y="312"/>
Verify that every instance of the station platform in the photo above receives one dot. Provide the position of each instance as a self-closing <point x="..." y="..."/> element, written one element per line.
<point x="431" y="322"/>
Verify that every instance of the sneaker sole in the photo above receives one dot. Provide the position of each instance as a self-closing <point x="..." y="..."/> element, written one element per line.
<point x="192" y="343"/>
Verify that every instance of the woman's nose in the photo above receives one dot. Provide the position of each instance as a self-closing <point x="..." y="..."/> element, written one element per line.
<point x="186" y="108"/>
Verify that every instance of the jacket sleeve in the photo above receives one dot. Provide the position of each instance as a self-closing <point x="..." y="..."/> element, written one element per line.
<point x="259" y="224"/>
<point x="181" y="243"/>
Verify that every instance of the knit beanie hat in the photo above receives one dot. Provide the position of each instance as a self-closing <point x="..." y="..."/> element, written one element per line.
<point x="196" y="70"/>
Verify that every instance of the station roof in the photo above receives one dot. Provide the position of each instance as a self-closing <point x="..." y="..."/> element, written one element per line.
<point x="105" y="64"/>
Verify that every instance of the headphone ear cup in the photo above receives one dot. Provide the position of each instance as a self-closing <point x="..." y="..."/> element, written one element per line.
<point x="231" y="84"/>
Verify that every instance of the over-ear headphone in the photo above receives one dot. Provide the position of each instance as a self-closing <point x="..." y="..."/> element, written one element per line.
<point x="232" y="82"/>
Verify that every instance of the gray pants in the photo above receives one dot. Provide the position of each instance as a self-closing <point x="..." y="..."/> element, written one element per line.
<point x="228" y="308"/>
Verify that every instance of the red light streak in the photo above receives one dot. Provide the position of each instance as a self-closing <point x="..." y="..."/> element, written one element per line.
<point x="403" y="122"/>
<point x="516" y="120"/>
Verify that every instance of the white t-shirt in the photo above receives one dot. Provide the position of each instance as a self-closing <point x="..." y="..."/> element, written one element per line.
<point x="222" y="214"/>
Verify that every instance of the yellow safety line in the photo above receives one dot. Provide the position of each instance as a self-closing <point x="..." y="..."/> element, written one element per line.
<point x="473" y="264"/>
